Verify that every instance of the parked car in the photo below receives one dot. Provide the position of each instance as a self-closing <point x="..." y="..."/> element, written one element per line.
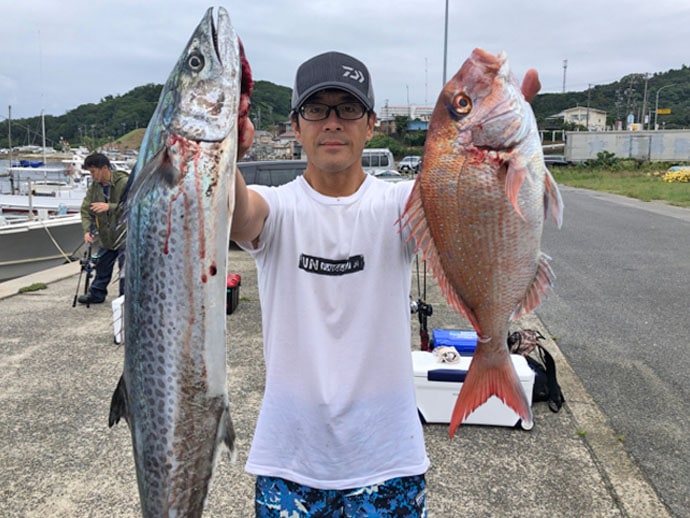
<point x="410" y="164"/>
<point x="271" y="172"/>
<point x="390" y="175"/>
<point x="555" y="160"/>
<point x="377" y="159"/>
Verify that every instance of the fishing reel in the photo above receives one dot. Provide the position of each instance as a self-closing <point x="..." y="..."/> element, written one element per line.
<point x="88" y="265"/>
<point x="88" y="261"/>
<point x="423" y="311"/>
<point x="421" y="307"/>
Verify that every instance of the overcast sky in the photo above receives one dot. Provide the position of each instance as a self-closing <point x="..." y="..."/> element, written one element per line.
<point x="57" y="55"/>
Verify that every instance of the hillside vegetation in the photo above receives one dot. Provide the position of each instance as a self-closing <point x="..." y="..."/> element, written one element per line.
<point x="627" y="96"/>
<point x="117" y="116"/>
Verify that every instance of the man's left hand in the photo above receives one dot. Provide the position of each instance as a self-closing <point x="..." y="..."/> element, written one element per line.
<point x="99" y="207"/>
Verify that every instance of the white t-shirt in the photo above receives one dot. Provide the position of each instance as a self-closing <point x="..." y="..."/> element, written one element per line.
<point x="334" y="276"/>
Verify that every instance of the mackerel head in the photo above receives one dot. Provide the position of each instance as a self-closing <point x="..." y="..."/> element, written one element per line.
<point x="173" y="392"/>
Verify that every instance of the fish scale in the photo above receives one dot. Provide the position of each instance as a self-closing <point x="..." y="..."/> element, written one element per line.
<point x="477" y="211"/>
<point x="173" y="391"/>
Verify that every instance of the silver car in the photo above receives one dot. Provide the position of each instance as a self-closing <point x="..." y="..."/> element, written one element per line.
<point x="410" y="164"/>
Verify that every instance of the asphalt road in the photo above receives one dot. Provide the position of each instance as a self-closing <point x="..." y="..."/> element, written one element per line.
<point x="58" y="458"/>
<point x="619" y="313"/>
<point x="59" y="366"/>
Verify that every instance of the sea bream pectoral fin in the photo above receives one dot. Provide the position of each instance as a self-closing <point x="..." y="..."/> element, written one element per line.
<point x="515" y="176"/>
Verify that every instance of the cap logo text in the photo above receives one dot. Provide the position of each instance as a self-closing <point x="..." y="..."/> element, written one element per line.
<point x="352" y="73"/>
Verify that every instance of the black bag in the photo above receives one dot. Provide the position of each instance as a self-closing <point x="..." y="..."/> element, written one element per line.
<point x="546" y="387"/>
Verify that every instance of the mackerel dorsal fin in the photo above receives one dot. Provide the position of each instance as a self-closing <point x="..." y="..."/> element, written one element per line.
<point x="414" y="217"/>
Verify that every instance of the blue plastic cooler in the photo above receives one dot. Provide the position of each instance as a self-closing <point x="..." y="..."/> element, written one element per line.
<point x="464" y="340"/>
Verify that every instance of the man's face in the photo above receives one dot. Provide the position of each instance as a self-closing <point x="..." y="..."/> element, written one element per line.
<point x="334" y="144"/>
<point x="100" y="174"/>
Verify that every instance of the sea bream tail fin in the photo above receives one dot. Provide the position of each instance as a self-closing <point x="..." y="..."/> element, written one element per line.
<point x="538" y="291"/>
<point x="552" y="199"/>
<point x="488" y="378"/>
<point x="118" y="404"/>
<point x="414" y="217"/>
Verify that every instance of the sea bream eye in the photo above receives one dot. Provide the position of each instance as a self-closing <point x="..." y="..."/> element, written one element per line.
<point x="195" y="62"/>
<point x="462" y="104"/>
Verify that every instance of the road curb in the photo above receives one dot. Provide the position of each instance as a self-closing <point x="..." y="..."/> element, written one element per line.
<point x="635" y="494"/>
<point x="12" y="287"/>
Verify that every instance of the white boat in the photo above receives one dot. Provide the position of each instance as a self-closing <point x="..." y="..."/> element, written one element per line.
<point x="53" y="197"/>
<point x="28" y="246"/>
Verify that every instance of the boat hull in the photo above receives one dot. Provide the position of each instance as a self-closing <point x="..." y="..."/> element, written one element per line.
<point x="31" y="246"/>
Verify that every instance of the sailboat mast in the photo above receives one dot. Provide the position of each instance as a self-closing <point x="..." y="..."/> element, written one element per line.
<point x="9" y="143"/>
<point x="43" y="132"/>
<point x="9" y="131"/>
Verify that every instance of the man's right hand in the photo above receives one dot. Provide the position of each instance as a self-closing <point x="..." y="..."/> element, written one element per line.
<point x="88" y="238"/>
<point x="245" y="136"/>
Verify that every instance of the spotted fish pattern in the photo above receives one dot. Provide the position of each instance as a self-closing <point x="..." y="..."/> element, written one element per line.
<point x="173" y="391"/>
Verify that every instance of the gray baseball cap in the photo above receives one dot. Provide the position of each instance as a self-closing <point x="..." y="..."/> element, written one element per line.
<point x="333" y="70"/>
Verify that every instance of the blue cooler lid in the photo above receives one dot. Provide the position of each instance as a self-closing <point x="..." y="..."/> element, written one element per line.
<point x="447" y="375"/>
<point x="464" y="340"/>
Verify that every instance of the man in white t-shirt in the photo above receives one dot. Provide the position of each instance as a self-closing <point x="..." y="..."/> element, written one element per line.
<point x="338" y="432"/>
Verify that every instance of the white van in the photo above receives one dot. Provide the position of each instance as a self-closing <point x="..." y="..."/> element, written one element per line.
<point x="376" y="160"/>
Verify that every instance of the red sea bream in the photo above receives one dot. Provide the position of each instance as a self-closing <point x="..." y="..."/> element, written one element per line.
<point x="477" y="211"/>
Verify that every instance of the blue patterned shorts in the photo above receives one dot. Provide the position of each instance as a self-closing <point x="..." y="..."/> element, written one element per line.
<point x="403" y="497"/>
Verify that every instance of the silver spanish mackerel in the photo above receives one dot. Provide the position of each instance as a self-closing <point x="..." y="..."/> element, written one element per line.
<point x="173" y="392"/>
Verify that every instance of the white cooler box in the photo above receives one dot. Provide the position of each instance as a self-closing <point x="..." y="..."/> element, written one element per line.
<point x="436" y="397"/>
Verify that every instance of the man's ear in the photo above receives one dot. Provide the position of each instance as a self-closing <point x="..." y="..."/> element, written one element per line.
<point x="371" y="121"/>
<point x="295" y="127"/>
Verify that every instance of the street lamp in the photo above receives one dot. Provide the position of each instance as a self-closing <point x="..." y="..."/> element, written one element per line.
<point x="656" y="107"/>
<point x="445" y="47"/>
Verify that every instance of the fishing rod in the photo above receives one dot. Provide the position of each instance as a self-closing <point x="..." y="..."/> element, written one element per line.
<point x="88" y="265"/>
<point x="423" y="310"/>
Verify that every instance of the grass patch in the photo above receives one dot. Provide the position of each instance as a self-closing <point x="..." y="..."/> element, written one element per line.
<point x="33" y="287"/>
<point x="626" y="178"/>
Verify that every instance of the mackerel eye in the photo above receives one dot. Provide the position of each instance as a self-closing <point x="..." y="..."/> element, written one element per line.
<point x="462" y="104"/>
<point x="195" y="62"/>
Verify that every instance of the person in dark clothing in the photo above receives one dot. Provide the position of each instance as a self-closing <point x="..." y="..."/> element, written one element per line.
<point x="100" y="220"/>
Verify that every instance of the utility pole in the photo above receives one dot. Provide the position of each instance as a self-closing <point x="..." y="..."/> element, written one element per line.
<point x="426" y="81"/>
<point x="9" y="145"/>
<point x="589" y="95"/>
<point x="565" y="68"/>
<point x="656" y="106"/>
<point x="644" y="102"/>
<point x="445" y="48"/>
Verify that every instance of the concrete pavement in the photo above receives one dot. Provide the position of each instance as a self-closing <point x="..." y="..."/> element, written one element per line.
<point x="59" y="366"/>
